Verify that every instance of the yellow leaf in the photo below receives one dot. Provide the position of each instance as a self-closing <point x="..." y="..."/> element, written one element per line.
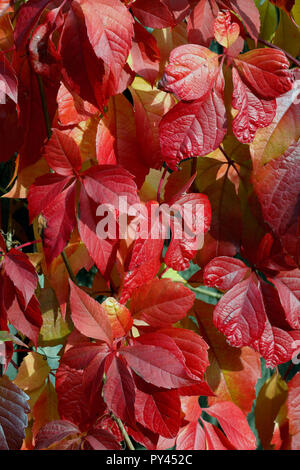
<point x="26" y="177"/>
<point x="45" y="409"/>
<point x="287" y="35"/>
<point x="296" y="12"/>
<point x="148" y="191"/>
<point x="268" y="19"/>
<point x="167" y="39"/>
<point x="54" y="328"/>
<point x="271" y="397"/>
<point x="33" y="372"/>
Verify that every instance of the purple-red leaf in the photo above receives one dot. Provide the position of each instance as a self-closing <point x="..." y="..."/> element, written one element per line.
<point x="13" y="415"/>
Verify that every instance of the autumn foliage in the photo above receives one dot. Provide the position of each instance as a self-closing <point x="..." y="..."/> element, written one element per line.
<point x="152" y="336"/>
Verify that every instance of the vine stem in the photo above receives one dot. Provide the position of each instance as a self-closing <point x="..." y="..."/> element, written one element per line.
<point x="121" y="426"/>
<point x="20" y="247"/>
<point x="68" y="266"/>
<point x="273" y="46"/>
<point x="201" y="290"/>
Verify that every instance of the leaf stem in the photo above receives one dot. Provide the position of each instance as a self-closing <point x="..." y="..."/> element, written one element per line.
<point x="123" y="431"/>
<point x="44" y="106"/>
<point x="161" y="183"/>
<point x="20" y="247"/>
<point x="67" y="264"/>
<point x="201" y="290"/>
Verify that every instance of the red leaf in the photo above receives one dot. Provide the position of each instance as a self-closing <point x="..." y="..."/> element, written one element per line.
<point x="191" y="72"/>
<point x="159" y="411"/>
<point x="89" y="358"/>
<point x="109" y="28"/>
<point x="286" y="5"/>
<point x="215" y="438"/>
<point x="188" y="233"/>
<point x="60" y="218"/>
<point x="28" y="319"/>
<point x="157" y="359"/>
<point x="81" y="355"/>
<point x="193" y="129"/>
<point x="240" y="314"/>
<point x="277" y="187"/>
<point x="77" y="60"/>
<point x="193" y="348"/>
<point x="161" y="302"/>
<point x="232" y="373"/>
<point x="72" y="109"/>
<point x="13" y="415"/>
<point x="119" y="316"/>
<point x="277" y="341"/>
<point x="21" y="272"/>
<point x="30" y="111"/>
<point x="116" y="140"/>
<point x="254" y="112"/>
<point x="72" y="400"/>
<point x="105" y="184"/>
<point x="200" y="23"/>
<point x="225" y="29"/>
<point x="8" y="81"/>
<point x="119" y="390"/>
<point x="144" y="436"/>
<point x="154" y="14"/>
<point x="191" y="437"/>
<point x="62" y="154"/>
<point x="265" y="72"/>
<point x="149" y="236"/>
<point x="191" y="408"/>
<point x="88" y="315"/>
<point x="99" y="439"/>
<point x="234" y="424"/>
<point x="54" y="432"/>
<point x="249" y="13"/>
<point x="288" y="288"/>
<point x="28" y="16"/>
<point x="10" y="130"/>
<point x="139" y="275"/>
<point x="276" y="345"/>
<point x="44" y="191"/>
<point x="43" y="55"/>
<point x="293" y="404"/>
<point x="145" y="54"/>
<point x="101" y="250"/>
<point x="224" y="272"/>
